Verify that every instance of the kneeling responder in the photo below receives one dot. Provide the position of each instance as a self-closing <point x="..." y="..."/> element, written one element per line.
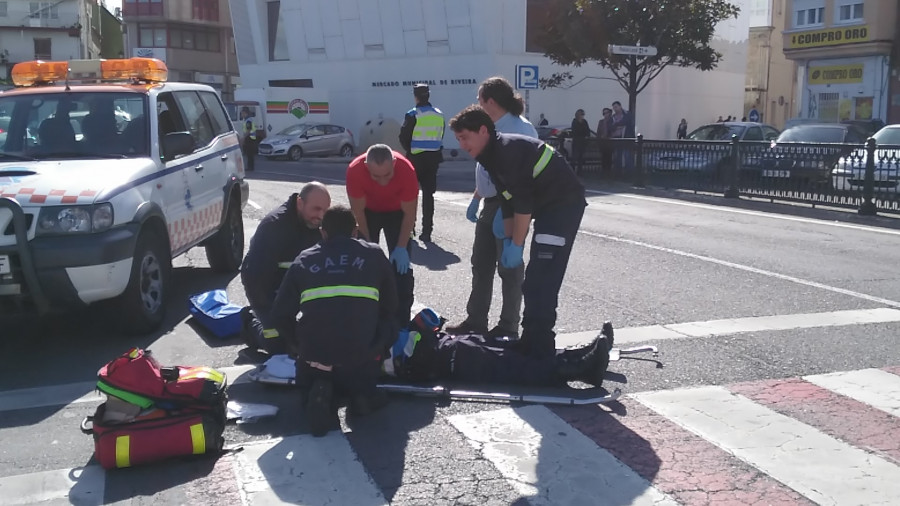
<point x="345" y="293"/>
<point x="280" y="237"/>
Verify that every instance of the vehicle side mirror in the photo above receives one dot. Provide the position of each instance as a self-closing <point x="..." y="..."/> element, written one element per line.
<point x="175" y="144"/>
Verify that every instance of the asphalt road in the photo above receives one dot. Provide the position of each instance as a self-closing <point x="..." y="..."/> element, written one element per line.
<point x="643" y="259"/>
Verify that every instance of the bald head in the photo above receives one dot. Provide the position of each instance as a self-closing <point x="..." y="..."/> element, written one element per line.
<point x="312" y="203"/>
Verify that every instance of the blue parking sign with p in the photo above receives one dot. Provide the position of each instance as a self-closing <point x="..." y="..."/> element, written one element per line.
<point x="527" y="77"/>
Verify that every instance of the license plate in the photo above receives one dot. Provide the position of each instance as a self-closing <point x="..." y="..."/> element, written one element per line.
<point x="776" y="173"/>
<point x="5" y="268"/>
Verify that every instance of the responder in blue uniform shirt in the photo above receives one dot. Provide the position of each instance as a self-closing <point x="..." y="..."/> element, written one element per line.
<point x="344" y="292"/>
<point x="279" y="238"/>
<point x="422" y="136"/>
<point x="534" y="182"/>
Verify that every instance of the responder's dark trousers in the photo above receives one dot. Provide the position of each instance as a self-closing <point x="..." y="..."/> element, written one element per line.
<point x="390" y="223"/>
<point x="251" y="148"/>
<point x="469" y="359"/>
<point x="426" y="165"/>
<point x="361" y="379"/>
<point x="486" y="251"/>
<point x="261" y="334"/>
<point x="551" y="244"/>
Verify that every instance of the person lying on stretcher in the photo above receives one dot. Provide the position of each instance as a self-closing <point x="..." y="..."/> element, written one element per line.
<point x="423" y="353"/>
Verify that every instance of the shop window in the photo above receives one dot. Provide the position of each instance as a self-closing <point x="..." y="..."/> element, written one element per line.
<point x="142" y="8"/>
<point x="42" y="49"/>
<point x="848" y="12"/>
<point x="829" y="105"/>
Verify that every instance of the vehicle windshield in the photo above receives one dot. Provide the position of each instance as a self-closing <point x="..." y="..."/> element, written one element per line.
<point x="293" y="130"/>
<point x="812" y="134"/>
<point x="888" y="136"/>
<point x="716" y="132"/>
<point x="72" y="124"/>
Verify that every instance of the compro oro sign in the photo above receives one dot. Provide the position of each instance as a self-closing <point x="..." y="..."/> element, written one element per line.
<point x="837" y="74"/>
<point x="829" y="37"/>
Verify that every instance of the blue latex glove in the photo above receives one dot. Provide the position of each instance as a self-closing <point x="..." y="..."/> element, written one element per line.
<point x="472" y="210"/>
<point x="512" y="254"/>
<point x="499" y="230"/>
<point x="400" y="259"/>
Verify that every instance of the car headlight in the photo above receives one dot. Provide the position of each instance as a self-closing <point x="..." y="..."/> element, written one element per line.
<point x="75" y="219"/>
<point x="281" y="141"/>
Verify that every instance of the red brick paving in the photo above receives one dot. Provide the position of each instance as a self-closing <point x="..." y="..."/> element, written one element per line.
<point x="677" y="462"/>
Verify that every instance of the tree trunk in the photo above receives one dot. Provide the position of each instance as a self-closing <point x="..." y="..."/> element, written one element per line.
<point x="632" y="92"/>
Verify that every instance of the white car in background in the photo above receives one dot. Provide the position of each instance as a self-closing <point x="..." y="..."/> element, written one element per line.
<point x="850" y="172"/>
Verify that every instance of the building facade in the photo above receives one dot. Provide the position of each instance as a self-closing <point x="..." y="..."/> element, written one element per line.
<point x="364" y="56"/>
<point x="771" y="77"/>
<point x="843" y="53"/>
<point x="54" y="30"/>
<point x="193" y="37"/>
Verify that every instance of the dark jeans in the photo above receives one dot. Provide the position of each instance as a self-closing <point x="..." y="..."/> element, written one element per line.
<point x="486" y="251"/>
<point x="578" y="147"/>
<point x="551" y="244"/>
<point x="426" y="165"/>
<point x="390" y="222"/>
<point x="470" y="359"/>
<point x="272" y="344"/>
<point x="348" y="381"/>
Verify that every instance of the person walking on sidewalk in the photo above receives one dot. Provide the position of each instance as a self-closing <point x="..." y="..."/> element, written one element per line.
<point x="505" y="108"/>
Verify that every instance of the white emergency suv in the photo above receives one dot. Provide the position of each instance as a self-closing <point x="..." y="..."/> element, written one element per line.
<point x="108" y="172"/>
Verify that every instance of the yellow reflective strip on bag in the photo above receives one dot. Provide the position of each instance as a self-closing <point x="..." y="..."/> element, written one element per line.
<point x="507" y="195"/>
<point x="198" y="438"/>
<point x="123" y="451"/>
<point x="270" y="333"/>
<point x="203" y="372"/>
<point x="543" y="161"/>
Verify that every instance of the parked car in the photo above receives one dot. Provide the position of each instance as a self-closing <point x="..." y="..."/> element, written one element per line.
<point x="793" y="158"/>
<point x="309" y="139"/>
<point x="713" y="159"/>
<point x="850" y="171"/>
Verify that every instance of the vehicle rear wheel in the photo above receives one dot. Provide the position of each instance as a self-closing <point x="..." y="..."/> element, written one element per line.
<point x="346" y="151"/>
<point x="142" y="307"/>
<point x="225" y="250"/>
<point x="295" y="153"/>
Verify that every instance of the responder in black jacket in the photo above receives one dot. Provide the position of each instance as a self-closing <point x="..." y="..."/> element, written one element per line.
<point x="534" y="182"/>
<point x="345" y="293"/>
<point x="280" y="237"/>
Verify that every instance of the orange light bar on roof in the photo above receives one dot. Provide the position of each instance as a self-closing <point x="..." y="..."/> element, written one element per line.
<point x="33" y="72"/>
<point x="144" y="69"/>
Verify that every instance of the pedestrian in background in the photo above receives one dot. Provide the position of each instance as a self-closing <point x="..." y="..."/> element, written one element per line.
<point x="682" y="129"/>
<point x="422" y="136"/>
<point x="580" y="133"/>
<point x="604" y="132"/>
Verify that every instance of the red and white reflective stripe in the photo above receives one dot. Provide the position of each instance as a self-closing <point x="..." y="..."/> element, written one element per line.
<point x="51" y="196"/>
<point x="192" y="227"/>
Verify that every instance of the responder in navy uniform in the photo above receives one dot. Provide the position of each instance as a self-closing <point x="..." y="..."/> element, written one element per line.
<point x="279" y="238"/>
<point x="534" y="182"/>
<point x="345" y="293"/>
<point x="251" y="140"/>
<point x="422" y="136"/>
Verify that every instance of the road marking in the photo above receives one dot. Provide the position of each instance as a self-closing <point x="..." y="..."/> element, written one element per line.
<point x="254" y="205"/>
<point x="877" y="388"/>
<point x="549" y="462"/>
<point x="83" y="486"/>
<point x="304" y="470"/>
<point x="760" y="214"/>
<point x="789" y="451"/>
<point x="747" y="268"/>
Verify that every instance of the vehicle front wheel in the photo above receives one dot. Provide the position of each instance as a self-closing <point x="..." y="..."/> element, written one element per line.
<point x="142" y="307"/>
<point x="295" y="153"/>
<point x="225" y="250"/>
<point x="347" y="151"/>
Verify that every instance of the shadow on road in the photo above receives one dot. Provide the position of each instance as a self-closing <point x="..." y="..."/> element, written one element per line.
<point x="432" y="257"/>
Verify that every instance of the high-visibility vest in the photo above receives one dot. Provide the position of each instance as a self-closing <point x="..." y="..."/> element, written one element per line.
<point x="250" y="127"/>
<point x="428" y="134"/>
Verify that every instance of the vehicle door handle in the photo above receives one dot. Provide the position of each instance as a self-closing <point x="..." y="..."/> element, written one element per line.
<point x="198" y="168"/>
<point x="224" y="158"/>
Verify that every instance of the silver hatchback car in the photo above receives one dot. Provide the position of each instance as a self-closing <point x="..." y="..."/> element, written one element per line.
<point x="309" y="139"/>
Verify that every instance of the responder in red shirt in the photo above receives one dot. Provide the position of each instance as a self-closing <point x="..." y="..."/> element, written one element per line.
<point x="384" y="193"/>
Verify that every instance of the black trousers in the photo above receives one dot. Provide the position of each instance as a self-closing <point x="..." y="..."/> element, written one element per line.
<point x="390" y="222"/>
<point x="426" y="165"/>
<point x="551" y="245"/>
<point x="361" y="379"/>
<point x="272" y="344"/>
<point x="251" y="148"/>
<point x="471" y="359"/>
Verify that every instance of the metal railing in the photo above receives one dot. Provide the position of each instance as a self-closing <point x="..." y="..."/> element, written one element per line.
<point x="862" y="176"/>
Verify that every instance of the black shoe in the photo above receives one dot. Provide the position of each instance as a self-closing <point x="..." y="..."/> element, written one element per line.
<point x="362" y="405"/>
<point x="586" y="364"/>
<point x="608" y="333"/>
<point x="246" y="333"/>
<point x="601" y="363"/>
<point x="319" y="408"/>
<point x="500" y="334"/>
<point x="425" y="237"/>
<point x="465" y="328"/>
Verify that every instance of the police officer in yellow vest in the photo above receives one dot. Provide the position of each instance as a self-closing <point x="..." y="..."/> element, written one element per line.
<point x="251" y="141"/>
<point x="422" y="136"/>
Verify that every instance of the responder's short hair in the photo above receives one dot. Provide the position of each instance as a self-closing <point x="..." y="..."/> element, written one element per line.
<point x="421" y="90"/>
<point x="338" y="222"/>
<point x="311" y="187"/>
<point x="379" y="154"/>
<point x="472" y="118"/>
